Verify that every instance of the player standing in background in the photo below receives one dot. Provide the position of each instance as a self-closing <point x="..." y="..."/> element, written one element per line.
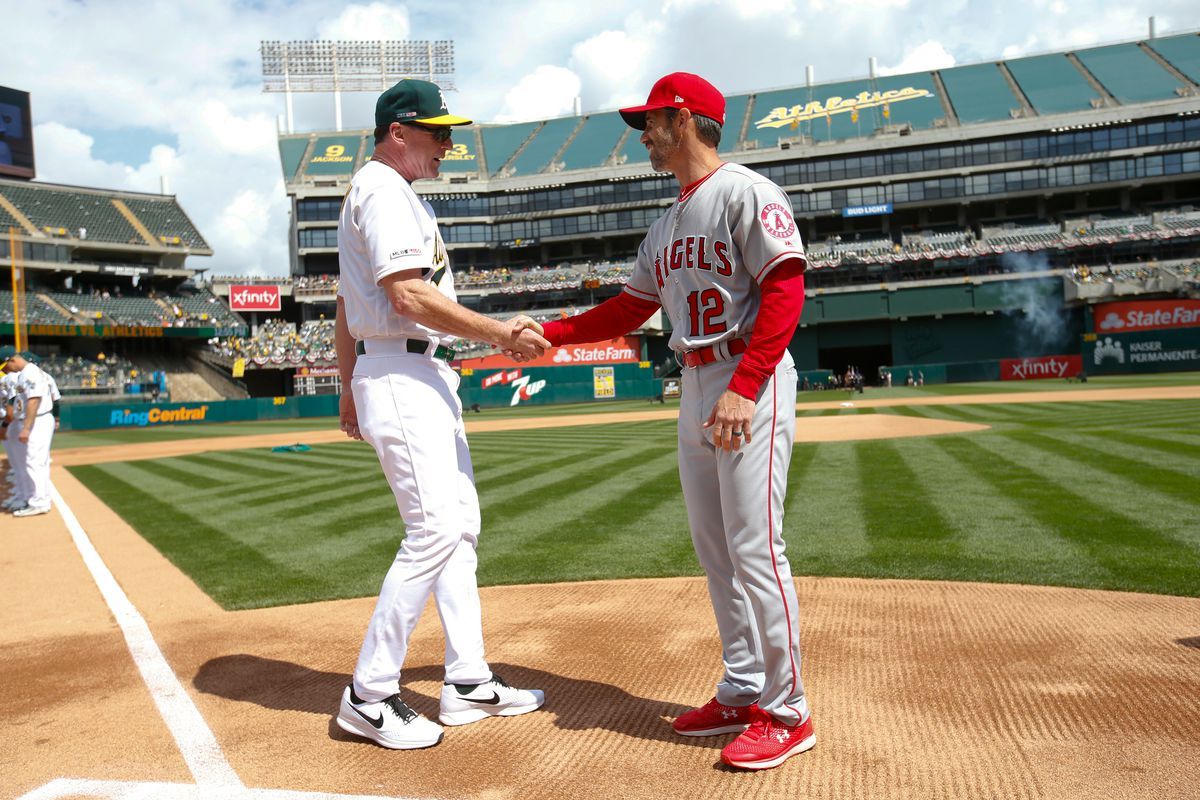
<point x="396" y="310"/>
<point x="8" y="414"/>
<point x="726" y="264"/>
<point x="35" y="429"/>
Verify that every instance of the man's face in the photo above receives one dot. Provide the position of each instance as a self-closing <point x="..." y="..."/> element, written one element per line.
<point x="422" y="152"/>
<point x="661" y="138"/>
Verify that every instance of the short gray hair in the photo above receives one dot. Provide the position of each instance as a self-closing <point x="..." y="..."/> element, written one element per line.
<point x="708" y="130"/>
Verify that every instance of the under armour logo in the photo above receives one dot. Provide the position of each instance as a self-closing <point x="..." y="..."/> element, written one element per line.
<point x="728" y="713"/>
<point x="782" y="736"/>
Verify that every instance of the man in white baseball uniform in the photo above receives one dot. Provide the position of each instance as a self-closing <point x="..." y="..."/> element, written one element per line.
<point x="35" y="429"/>
<point x="726" y="264"/>
<point x="8" y="391"/>
<point x="396" y="311"/>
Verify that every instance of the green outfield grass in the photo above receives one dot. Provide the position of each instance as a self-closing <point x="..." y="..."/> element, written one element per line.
<point x="1087" y="494"/>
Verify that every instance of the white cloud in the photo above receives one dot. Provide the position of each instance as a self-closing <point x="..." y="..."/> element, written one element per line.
<point x="926" y="56"/>
<point x="548" y="91"/>
<point x="374" y="21"/>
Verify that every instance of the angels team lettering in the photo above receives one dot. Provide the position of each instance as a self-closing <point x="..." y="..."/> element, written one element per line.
<point x="692" y="252"/>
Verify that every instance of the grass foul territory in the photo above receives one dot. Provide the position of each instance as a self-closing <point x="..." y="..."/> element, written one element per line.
<point x="1086" y="494"/>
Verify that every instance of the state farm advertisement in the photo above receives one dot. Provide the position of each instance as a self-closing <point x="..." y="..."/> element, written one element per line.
<point x="1146" y="315"/>
<point x="1027" y="369"/>
<point x="254" y="298"/>
<point x="622" y="350"/>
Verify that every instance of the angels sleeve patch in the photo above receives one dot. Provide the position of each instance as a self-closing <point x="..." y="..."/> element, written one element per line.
<point x="777" y="220"/>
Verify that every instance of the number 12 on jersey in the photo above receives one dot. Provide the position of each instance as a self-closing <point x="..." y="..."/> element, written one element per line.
<point x="705" y="309"/>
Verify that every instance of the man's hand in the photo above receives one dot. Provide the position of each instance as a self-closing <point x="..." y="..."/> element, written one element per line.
<point x="524" y="342"/>
<point x="348" y="415"/>
<point x="730" y="420"/>
<point x="24" y="435"/>
<point x="518" y="325"/>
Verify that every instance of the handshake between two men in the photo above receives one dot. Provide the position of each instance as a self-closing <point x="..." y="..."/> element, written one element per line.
<point x="525" y="341"/>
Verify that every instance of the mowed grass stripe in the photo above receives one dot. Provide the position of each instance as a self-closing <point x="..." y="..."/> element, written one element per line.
<point x="239" y="463"/>
<point x="543" y="497"/>
<point x="824" y="524"/>
<point x="1134" y="556"/>
<point x="230" y="568"/>
<point x="906" y="530"/>
<point x="1000" y="539"/>
<point x="1178" y="445"/>
<point x="165" y="470"/>
<point x="575" y="532"/>
<point x="1172" y="493"/>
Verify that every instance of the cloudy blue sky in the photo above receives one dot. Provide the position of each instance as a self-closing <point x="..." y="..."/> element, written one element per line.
<point x="126" y="92"/>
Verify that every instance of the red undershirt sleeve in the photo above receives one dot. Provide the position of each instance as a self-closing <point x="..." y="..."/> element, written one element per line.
<point x="612" y="318"/>
<point x="782" y="302"/>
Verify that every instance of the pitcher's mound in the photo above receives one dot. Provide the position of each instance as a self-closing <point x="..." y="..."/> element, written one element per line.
<point x="875" y="426"/>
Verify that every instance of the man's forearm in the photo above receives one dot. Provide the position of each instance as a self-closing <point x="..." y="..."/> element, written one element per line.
<point x="343" y="343"/>
<point x="31" y="408"/>
<point x="423" y="303"/>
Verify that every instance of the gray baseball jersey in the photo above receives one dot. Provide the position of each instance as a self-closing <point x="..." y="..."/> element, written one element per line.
<point x="703" y="261"/>
<point x="704" y="258"/>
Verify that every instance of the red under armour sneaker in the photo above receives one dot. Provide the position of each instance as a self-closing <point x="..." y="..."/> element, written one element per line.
<point x="768" y="742"/>
<point x="713" y="718"/>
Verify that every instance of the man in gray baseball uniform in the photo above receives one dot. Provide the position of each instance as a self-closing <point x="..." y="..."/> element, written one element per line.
<point x="396" y="311"/>
<point x="726" y="264"/>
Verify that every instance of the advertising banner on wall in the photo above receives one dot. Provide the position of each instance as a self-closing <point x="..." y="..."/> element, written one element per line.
<point x="1025" y="369"/>
<point x="1146" y="315"/>
<point x="1142" y="351"/>
<point x="254" y="298"/>
<point x="622" y="350"/>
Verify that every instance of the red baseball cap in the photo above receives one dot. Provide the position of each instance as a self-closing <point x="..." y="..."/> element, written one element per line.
<point x="679" y="90"/>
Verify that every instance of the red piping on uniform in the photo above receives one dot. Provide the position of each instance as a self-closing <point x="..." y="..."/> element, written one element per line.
<point x="771" y="538"/>
<point x="691" y="188"/>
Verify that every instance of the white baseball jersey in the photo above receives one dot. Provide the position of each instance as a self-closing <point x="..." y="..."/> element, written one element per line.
<point x="704" y="259"/>
<point x="385" y="227"/>
<point x="32" y="382"/>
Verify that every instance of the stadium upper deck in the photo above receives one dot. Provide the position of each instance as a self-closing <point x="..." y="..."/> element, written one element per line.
<point x="1071" y="133"/>
<point x="97" y="230"/>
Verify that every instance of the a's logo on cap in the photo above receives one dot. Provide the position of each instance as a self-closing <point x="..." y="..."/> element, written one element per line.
<point x="442" y="99"/>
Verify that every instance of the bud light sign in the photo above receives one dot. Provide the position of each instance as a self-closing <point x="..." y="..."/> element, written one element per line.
<point x="254" y="298"/>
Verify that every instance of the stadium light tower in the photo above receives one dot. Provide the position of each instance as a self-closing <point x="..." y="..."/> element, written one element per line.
<point x="359" y="66"/>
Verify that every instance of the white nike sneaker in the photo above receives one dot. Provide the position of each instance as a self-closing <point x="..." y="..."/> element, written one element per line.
<point x="464" y="704"/>
<point x="31" y="511"/>
<point x="389" y="723"/>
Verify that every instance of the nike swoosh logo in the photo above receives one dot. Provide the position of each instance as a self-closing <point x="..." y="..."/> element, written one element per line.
<point x="491" y="701"/>
<point x="378" y="723"/>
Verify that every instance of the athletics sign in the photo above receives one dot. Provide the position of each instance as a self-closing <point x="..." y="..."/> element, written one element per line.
<point x="254" y="298"/>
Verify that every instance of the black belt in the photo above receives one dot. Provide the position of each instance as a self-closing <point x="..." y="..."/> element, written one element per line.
<point x="419" y="347"/>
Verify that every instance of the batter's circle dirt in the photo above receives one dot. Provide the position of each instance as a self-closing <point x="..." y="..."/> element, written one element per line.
<point x="919" y="689"/>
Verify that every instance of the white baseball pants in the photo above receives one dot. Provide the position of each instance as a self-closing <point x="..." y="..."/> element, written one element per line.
<point x="37" y="460"/>
<point x="16" y="457"/>
<point x="408" y="410"/>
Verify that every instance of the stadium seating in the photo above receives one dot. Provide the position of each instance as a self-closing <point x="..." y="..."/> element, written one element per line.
<point x="1052" y="84"/>
<point x="200" y="309"/>
<point x="979" y="93"/>
<point x="280" y="343"/>
<point x="1181" y="52"/>
<point x="541" y="149"/>
<point x="594" y="142"/>
<point x="1128" y="73"/>
<point x="501" y="141"/>
<point x="37" y="310"/>
<point x="166" y="220"/>
<point x="64" y="212"/>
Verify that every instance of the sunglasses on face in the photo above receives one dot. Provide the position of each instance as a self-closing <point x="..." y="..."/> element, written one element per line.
<point x="439" y="135"/>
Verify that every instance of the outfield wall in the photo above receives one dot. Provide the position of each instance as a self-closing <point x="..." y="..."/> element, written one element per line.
<point x="490" y="388"/>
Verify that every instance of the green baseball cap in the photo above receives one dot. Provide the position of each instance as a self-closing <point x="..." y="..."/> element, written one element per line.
<point x="412" y="100"/>
<point x="6" y="352"/>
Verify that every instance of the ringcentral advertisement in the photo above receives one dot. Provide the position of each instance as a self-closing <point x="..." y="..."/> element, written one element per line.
<point x="16" y="134"/>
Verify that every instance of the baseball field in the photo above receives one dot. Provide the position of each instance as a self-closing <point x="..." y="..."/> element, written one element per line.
<point x="1000" y="586"/>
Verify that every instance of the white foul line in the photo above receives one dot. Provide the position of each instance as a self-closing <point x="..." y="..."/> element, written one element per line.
<point x="135" y="790"/>
<point x="192" y="734"/>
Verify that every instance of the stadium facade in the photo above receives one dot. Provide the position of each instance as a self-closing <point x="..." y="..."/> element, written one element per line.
<point x="953" y="203"/>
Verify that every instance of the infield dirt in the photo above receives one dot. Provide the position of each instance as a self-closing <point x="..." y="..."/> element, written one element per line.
<point x="919" y="689"/>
